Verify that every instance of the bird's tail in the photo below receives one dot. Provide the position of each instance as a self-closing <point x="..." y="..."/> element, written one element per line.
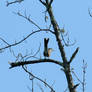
<point x="46" y="40"/>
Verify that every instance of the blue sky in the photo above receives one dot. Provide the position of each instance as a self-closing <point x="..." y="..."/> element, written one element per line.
<point x="73" y="15"/>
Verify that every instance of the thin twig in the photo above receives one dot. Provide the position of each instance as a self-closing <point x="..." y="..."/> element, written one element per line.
<point x="89" y="13"/>
<point x="34" y="54"/>
<point x="27" y="18"/>
<point x="77" y="77"/>
<point x="32" y="85"/>
<point x="16" y="1"/>
<point x="38" y="79"/>
<point x="66" y="43"/>
<point x="66" y="89"/>
<point x="42" y="2"/>
<point x="84" y="74"/>
<point x="42" y="90"/>
<point x="14" y="44"/>
<point x="4" y="41"/>
<point x="29" y="88"/>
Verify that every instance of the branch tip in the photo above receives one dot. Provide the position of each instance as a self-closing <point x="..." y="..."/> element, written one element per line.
<point x="50" y="2"/>
<point x="42" y="2"/>
<point x="75" y="86"/>
<point x="74" y="54"/>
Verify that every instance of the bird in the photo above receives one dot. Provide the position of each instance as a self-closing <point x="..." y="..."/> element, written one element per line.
<point x="47" y="51"/>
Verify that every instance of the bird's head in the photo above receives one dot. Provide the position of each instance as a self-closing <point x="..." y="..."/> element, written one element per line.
<point x="50" y="50"/>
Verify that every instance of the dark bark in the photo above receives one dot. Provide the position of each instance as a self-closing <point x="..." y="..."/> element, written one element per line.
<point x="66" y="65"/>
<point x="21" y="63"/>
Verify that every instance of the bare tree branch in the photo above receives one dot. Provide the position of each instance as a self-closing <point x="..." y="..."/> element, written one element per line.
<point x="21" y="63"/>
<point x="27" y="18"/>
<point x="68" y="40"/>
<point x="14" y="44"/>
<point x="89" y="13"/>
<point x="42" y="2"/>
<point x="57" y="33"/>
<point x="32" y="85"/>
<point x="50" y="2"/>
<point x="73" y="55"/>
<point x="29" y="88"/>
<point x="66" y="89"/>
<point x="38" y="79"/>
<point x="75" y="86"/>
<point x="16" y="1"/>
<point x="42" y="90"/>
<point x="34" y="54"/>
<point x="76" y="77"/>
<point x="4" y="41"/>
<point x="84" y="74"/>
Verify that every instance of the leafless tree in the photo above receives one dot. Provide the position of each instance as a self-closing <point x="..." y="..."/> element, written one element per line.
<point x="61" y="42"/>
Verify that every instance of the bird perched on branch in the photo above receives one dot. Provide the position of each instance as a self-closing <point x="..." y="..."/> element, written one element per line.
<point x="47" y="51"/>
